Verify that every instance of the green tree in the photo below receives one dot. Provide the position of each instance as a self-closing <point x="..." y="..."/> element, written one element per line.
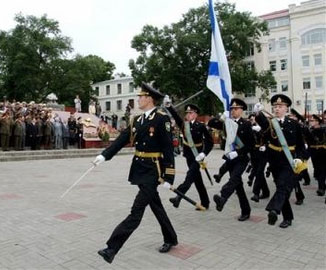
<point x="176" y="57"/>
<point x="75" y="76"/>
<point x="34" y="62"/>
<point x="28" y="54"/>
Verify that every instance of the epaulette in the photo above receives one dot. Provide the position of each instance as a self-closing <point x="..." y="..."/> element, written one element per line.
<point x="161" y="112"/>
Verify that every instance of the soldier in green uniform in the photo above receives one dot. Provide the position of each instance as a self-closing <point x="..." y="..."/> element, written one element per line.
<point x="18" y="132"/>
<point x="153" y="160"/>
<point x="5" y="130"/>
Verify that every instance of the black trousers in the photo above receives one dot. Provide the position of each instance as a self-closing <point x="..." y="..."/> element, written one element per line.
<point x="284" y="179"/>
<point x="260" y="183"/>
<point x="236" y="168"/>
<point x="194" y="176"/>
<point x="318" y="161"/>
<point x="297" y="186"/>
<point x="147" y="195"/>
<point x="223" y="169"/>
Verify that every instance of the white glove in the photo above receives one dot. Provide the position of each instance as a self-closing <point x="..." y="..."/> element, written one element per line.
<point x="297" y="162"/>
<point x="225" y="115"/>
<point x="258" y="107"/>
<point x="262" y="148"/>
<point x="167" y="101"/>
<point x="306" y="146"/>
<point x="98" y="160"/>
<point x="231" y="155"/>
<point x="166" y="185"/>
<point x="200" y="157"/>
<point x="256" y="128"/>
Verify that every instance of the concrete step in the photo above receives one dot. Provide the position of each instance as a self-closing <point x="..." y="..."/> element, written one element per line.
<point x="55" y="154"/>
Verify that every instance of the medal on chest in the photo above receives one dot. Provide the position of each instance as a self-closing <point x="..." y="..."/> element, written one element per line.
<point x="151" y="131"/>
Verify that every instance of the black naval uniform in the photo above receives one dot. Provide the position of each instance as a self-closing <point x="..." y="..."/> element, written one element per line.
<point x="259" y="161"/>
<point x="317" y="146"/>
<point x="153" y="142"/>
<point x="280" y="167"/>
<point x="237" y="166"/>
<point x="204" y="143"/>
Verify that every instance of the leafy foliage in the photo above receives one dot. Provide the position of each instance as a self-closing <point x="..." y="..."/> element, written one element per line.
<point x="176" y="57"/>
<point x="34" y="62"/>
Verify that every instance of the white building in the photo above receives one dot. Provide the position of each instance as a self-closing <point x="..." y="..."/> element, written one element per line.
<point x="114" y="96"/>
<point x="295" y="50"/>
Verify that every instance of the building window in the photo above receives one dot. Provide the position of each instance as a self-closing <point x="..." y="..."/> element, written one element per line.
<point x="308" y="106"/>
<point x="318" y="59"/>
<point x="305" y="60"/>
<point x="251" y="65"/>
<point x="278" y="22"/>
<point x="314" y="36"/>
<point x="271" y="45"/>
<point x="108" y="90"/>
<point x="284" y="64"/>
<point x="306" y="83"/>
<point x="319" y="82"/>
<point x="131" y="103"/>
<point x="319" y="106"/>
<point x="97" y="91"/>
<point x="250" y="108"/>
<point x="251" y="50"/>
<point x="108" y="106"/>
<point x="272" y="65"/>
<point x="282" y="43"/>
<point x="119" y="88"/>
<point x="119" y="105"/>
<point x="131" y="87"/>
<point x="250" y="93"/>
<point x="274" y="89"/>
<point x="271" y="23"/>
<point x="283" y="21"/>
<point x="284" y="86"/>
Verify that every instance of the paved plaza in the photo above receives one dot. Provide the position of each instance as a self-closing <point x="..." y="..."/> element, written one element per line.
<point x="38" y="230"/>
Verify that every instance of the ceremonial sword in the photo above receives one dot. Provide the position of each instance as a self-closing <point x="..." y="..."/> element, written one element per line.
<point x="78" y="180"/>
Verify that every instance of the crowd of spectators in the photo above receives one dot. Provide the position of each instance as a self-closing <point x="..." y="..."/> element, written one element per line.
<point x="35" y="126"/>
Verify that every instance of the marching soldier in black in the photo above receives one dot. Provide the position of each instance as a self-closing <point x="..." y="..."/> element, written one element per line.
<point x="153" y="161"/>
<point x="258" y="160"/>
<point x="317" y="146"/>
<point x="202" y="141"/>
<point x="304" y="174"/>
<point x="282" y="170"/>
<point x="236" y="160"/>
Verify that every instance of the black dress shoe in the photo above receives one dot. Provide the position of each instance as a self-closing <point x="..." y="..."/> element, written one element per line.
<point x="175" y="201"/>
<point x="299" y="202"/>
<point x="268" y="173"/>
<point x="244" y="217"/>
<point x="217" y="178"/>
<point x="255" y="198"/>
<point x="272" y="217"/>
<point x="320" y="192"/>
<point x="285" y="223"/>
<point x="166" y="247"/>
<point x="220" y="201"/>
<point x="264" y="196"/>
<point x="107" y="254"/>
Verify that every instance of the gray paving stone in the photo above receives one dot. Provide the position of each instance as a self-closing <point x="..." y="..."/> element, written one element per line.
<point x="32" y="237"/>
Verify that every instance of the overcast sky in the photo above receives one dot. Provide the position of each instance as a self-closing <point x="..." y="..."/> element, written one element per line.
<point x="106" y="27"/>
